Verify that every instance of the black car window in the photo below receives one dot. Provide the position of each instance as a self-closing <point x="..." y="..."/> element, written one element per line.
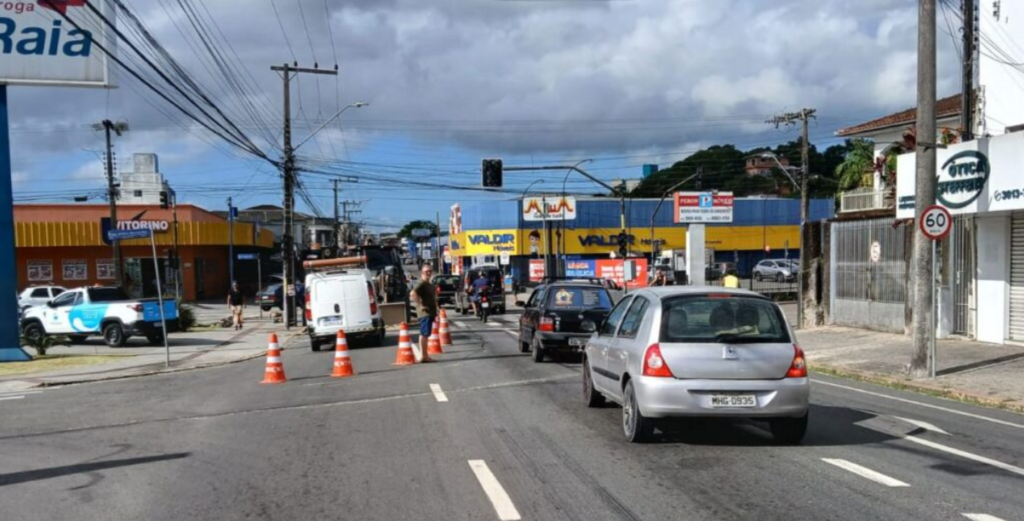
<point x="536" y="297"/>
<point x="576" y="298"/>
<point x="97" y="295"/>
<point x="56" y="291"/>
<point x="733" y="319"/>
<point x="40" y="293"/>
<point x="612" y="322"/>
<point x="634" y="318"/>
<point x="66" y="299"/>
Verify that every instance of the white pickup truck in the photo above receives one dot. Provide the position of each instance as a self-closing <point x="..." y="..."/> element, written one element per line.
<point x="84" y="312"/>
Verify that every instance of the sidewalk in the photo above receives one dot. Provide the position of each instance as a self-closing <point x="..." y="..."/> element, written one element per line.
<point x="206" y="347"/>
<point x="989" y="374"/>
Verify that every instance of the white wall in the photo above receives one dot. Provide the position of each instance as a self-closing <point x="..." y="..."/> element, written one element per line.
<point x="1002" y="84"/>
<point x="993" y="235"/>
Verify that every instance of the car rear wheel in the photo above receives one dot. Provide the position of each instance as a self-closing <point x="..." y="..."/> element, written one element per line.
<point x="591" y="396"/>
<point x="34" y="332"/>
<point x="780" y="278"/>
<point x="538" y="352"/>
<point x="758" y="276"/>
<point x="314" y="344"/>
<point x="789" y="431"/>
<point x="636" y="428"/>
<point x="524" y="347"/>
<point x="114" y="335"/>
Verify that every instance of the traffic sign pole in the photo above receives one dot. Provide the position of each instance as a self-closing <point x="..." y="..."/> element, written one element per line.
<point x="935" y="223"/>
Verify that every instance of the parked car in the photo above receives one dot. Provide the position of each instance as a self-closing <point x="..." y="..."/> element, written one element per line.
<point x="83" y="312"/>
<point x="270" y="297"/>
<point x="342" y="299"/>
<point x="779" y="270"/>
<point x="38" y="296"/>
<point x="685" y="352"/>
<point x="559" y="317"/>
<point x="447" y="286"/>
<point x="497" y="283"/>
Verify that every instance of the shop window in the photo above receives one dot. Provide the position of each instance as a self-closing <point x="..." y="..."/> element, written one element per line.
<point x="137" y="193"/>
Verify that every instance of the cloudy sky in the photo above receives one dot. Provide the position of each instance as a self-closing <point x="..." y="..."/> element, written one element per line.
<point x="622" y="82"/>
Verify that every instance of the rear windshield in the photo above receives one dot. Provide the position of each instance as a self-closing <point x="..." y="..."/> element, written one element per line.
<point x="578" y="298"/>
<point x="446" y="280"/>
<point x="728" y="319"/>
<point x="106" y="295"/>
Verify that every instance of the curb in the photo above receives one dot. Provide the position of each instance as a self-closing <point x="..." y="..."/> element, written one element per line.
<point x="918" y="387"/>
<point x="171" y="370"/>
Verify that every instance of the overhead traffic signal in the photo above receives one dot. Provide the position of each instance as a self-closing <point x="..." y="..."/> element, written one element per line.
<point x="623" y="241"/>
<point x="163" y="200"/>
<point x="492" y="172"/>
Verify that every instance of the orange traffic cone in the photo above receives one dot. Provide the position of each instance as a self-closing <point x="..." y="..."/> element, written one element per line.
<point x="446" y="335"/>
<point x="342" y="362"/>
<point x="405" y="356"/>
<point x="274" y="373"/>
<point x="434" y="342"/>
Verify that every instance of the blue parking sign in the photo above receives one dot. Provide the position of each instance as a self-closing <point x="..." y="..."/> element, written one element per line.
<point x="705" y="201"/>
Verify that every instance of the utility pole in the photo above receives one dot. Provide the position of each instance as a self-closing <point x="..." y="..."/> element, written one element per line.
<point x="804" y="116"/>
<point x="117" y="128"/>
<point x="288" y="173"/>
<point x="231" y="242"/>
<point x="967" y="82"/>
<point x="924" y="195"/>
<point x="437" y="247"/>
<point x="337" y="223"/>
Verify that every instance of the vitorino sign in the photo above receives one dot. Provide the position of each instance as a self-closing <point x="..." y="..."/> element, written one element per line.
<point x="40" y="46"/>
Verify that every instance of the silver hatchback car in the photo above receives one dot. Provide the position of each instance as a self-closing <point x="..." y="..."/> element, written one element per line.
<point x="698" y="352"/>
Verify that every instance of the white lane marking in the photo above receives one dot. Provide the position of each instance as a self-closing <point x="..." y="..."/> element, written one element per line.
<point x="499" y="498"/>
<point x="460" y="325"/>
<point x="19" y="393"/>
<point x="964" y="454"/>
<point x="922" y="404"/>
<point x="494" y="324"/>
<point x="512" y="332"/>
<point x="5" y="398"/>
<point x="924" y="425"/>
<point x="438" y="393"/>
<point x="865" y="472"/>
<point x="982" y="517"/>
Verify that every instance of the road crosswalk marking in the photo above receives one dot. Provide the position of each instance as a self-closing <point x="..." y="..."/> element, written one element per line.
<point x="865" y="472"/>
<point x="495" y="492"/>
<point x="5" y="398"/>
<point x="982" y="517"/>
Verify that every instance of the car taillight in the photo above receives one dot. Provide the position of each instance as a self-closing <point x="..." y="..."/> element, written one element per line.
<point x="437" y="289"/>
<point x="654" y="364"/>
<point x="547" y="324"/>
<point x="373" y="299"/>
<point x="798" y="369"/>
<point x="309" y="310"/>
<point x="136" y="308"/>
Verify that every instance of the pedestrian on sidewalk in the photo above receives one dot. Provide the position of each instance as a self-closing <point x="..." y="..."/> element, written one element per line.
<point x="425" y="296"/>
<point x="731" y="280"/>
<point x="236" y="303"/>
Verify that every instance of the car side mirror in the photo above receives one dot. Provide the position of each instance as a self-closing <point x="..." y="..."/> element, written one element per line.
<point x="50" y="304"/>
<point x="521" y="304"/>
<point x="588" y="326"/>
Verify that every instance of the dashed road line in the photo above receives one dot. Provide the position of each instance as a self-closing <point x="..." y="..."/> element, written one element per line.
<point x="922" y="404"/>
<point x="865" y="472"/>
<point x="6" y="398"/>
<point x="461" y="325"/>
<point x="495" y="492"/>
<point x="924" y="425"/>
<point x="438" y="393"/>
<point x="964" y="454"/>
<point x="982" y="517"/>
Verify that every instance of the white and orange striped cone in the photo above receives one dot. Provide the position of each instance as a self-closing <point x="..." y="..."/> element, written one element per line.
<point x="274" y="373"/>
<point x="342" y="362"/>
<point x="434" y="342"/>
<point x="446" y="334"/>
<point x="405" y="355"/>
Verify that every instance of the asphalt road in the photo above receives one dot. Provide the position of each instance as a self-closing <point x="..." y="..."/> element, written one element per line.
<point x="512" y="439"/>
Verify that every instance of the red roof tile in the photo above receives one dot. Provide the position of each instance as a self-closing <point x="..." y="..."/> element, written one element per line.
<point x="944" y="108"/>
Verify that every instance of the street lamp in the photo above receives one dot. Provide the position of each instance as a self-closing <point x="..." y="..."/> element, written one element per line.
<point x="785" y="169"/>
<point x="357" y="105"/>
<point x="561" y="233"/>
<point x="803" y="224"/>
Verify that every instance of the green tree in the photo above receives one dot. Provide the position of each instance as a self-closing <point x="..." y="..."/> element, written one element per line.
<point x="406" y="230"/>
<point x="859" y="160"/>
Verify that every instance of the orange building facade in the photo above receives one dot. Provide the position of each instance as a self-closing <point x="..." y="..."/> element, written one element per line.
<point x="63" y="244"/>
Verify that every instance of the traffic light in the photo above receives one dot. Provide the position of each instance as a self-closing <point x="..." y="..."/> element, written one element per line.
<point x="163" y="200"/>
<point x="492" y="170"/>
<point x="623" y="244"/>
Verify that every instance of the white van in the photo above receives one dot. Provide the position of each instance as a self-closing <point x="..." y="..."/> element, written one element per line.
<point x="342" y="299"/>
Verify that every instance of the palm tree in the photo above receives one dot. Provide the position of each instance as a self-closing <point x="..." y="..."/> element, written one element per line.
<point x="859" y="160"/>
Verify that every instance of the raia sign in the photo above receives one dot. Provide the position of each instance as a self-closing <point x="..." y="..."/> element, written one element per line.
<point x="39" y="44"/>
<point x="962" y="179"/>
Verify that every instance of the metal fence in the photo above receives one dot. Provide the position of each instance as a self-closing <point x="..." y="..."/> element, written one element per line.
<point x="777" y="290"/>
<point x="869" y="261"/>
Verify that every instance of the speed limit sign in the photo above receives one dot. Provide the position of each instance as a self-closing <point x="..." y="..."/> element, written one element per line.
<point x="936" y="222"/>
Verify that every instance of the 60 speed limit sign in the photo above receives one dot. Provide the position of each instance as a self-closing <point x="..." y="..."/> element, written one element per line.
<point x="936" y="222"/>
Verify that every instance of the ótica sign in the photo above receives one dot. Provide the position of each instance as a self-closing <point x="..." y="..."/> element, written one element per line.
<point x="936" y="222"/>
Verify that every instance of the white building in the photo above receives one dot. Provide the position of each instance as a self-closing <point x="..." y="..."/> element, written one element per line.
<point x="144" y="183"/>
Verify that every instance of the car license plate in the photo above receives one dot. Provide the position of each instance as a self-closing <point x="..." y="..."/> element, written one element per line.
<point x="485" y="305"/>
<point x="331" y="321"/>
<point x="577" y="341"/>
<point x="733" y="400"/>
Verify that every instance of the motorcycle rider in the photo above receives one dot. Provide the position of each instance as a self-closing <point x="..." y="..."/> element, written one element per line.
<point x="481" y="285"/>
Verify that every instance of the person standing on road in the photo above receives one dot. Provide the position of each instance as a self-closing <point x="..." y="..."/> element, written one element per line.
<point x="425" y="297"/>
<point x="236" y="303"/>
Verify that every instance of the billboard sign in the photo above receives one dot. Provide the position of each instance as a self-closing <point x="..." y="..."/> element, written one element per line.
<point x="613" y="269"/>
<point x="552" y="208"/>
<point x="704" y="207"/>
<point x="41" y="45"/>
